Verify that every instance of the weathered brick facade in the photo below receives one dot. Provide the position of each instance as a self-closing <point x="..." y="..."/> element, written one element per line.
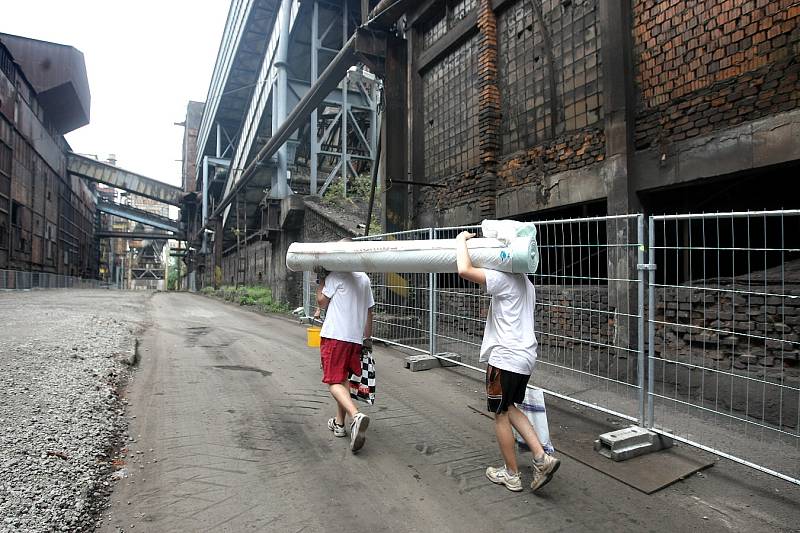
<point x="530" y="94"/>
<point x="538" y="112"/>
<point x="707" y="65"/>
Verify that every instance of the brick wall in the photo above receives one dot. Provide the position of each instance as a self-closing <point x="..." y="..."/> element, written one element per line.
<point x="747" y="332"/>
<point x="703" y="65"/>
<point x="460" y="189"/>
<point x="568" y="152"/>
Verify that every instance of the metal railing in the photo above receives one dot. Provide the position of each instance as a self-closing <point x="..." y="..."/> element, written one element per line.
<point x="22" y="280"/>
<point x="691" y="328"/>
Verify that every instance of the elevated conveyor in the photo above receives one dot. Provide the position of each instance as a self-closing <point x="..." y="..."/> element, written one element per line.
<point x="92" y="170"/>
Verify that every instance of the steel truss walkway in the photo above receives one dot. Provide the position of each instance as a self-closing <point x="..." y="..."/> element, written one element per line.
<point x="138" y="215"/>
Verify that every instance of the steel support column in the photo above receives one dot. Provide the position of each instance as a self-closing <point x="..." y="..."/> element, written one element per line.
<point x="619" y="103"/>
<point x="395" y="136"/>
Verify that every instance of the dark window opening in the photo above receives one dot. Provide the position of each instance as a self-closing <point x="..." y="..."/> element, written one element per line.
<point x="721" y="246"/>
<point x="576" y="252"/>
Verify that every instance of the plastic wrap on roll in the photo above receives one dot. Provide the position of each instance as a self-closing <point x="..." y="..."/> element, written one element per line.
<point x="517" y="255"/>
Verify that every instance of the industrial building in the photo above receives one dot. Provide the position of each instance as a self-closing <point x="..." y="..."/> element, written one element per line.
<point x="485" y="109"/>
<point x="56" y="216"/>
<point x="47" y="217"/>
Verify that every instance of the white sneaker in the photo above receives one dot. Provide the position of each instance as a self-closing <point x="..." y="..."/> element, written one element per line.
<point x="338" y="430"/>
<point x="501" y="476"/>
<point x="543" y="472"/>
<point x="358" y="429"/>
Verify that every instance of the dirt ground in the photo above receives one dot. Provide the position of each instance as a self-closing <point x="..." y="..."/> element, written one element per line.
<point x="228" y="415"/>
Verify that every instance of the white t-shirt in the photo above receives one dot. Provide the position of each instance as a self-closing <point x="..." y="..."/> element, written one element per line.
<point x="509" y="342"/>
<point x="351" y="297"/>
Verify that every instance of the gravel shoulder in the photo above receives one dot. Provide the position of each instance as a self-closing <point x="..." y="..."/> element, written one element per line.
<point x="64" y="355"/>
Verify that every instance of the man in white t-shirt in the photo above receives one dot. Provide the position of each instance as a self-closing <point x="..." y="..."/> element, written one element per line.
<point x="346" y="331"/>
<point x="509" y="346"/>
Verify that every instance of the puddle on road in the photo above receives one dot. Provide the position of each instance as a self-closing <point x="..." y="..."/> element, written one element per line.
<point x="244" y="368"/>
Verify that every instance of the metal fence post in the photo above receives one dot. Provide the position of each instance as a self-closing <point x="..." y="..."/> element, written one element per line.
<point x="306" y="294"/>
<point x="651" y="314"/>
<point x="432" y="303"/>
<point x="640" y="333"/>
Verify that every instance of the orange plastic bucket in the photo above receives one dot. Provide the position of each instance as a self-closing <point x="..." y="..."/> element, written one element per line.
<point x="312" y="335"/>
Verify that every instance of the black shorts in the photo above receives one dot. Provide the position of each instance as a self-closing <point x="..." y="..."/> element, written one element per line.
<point x="504" y="388"/>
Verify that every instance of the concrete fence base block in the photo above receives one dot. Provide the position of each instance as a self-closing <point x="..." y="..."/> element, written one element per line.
<point x="454" y="358"/>
<point x="415" y="363"/>
<point x="623" y="444"/>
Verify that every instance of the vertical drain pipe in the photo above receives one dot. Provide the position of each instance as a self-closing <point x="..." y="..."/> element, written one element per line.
<point x="281" y="189"/>
<point x="345" y="172"/>
<point x="204" y="249"/>
<point x="314" y="75"/>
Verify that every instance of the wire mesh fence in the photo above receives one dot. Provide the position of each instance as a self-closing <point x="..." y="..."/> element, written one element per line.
<point x="21" y="280"/>
<point x="589" y="302"/>
<point x="402" y="301"/>
<point x="588" y="312"/>
<point x="724" y="335"/>
<point x="691" y="328"/>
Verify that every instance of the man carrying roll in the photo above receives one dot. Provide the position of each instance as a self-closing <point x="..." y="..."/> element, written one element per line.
<point x="346" y="331"/>
<point x="509" y="345"/>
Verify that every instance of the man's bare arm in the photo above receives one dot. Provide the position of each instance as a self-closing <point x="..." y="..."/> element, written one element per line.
<point x="368" y="325"/>
<point x="465" y="268"/>
<point x="322" y="300"/>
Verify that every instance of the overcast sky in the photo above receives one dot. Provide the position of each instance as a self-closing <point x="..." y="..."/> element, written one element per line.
<point x="145" y="60"/>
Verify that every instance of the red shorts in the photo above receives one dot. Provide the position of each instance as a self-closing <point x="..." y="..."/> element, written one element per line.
<point x="339" y="359"/>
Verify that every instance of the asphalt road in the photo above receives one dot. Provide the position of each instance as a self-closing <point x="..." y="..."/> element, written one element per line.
<point x="229" y="414"/>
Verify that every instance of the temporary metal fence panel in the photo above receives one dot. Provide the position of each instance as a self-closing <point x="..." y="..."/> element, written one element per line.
<point x="589" y="305"/>
<point x="716" y="362"/>
<point x="402" y="310"/>
<point x="588" y="315"/>
<point x="724" y="335"/>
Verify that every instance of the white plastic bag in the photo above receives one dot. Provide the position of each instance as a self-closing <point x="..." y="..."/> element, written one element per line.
<point x="534" y="409"/>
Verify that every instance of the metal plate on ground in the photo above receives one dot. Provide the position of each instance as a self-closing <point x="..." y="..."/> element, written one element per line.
<point x="573" y="434"/>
